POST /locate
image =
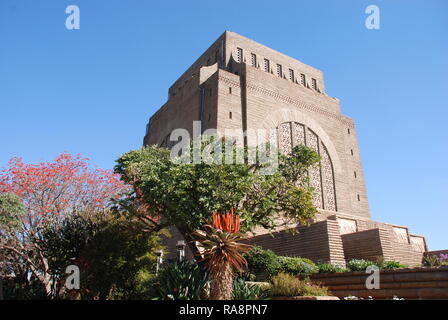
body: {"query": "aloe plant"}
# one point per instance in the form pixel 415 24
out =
pixel 222 252
pixel 183 280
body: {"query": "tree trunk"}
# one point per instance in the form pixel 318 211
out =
pixel 221 286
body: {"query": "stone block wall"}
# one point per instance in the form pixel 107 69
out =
pixel 416 283
pixel 319 242
pixel 362 245
pixel 374 243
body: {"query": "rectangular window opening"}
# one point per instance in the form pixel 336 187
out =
pixel 253 60
pixel 303 79
pixel 291 75
pixel 279 70
pixel 239 55
pixel 267 66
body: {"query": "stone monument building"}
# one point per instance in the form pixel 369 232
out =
pixel 240 84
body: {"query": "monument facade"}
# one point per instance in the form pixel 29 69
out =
pixel 238 84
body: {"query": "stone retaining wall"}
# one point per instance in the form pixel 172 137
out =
pixel 319 242
pixel 415 283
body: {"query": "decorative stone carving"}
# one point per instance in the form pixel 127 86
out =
pixel 291 134
pixel 347 226
pixel 298 134
pixel 284 138
pixel 328 179
pixel 400 234
pixel 315 174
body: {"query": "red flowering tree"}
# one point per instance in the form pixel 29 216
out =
pixel 50 190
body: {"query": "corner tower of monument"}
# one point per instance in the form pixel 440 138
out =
pixel 239 84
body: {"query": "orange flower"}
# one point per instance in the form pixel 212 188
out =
pixel 228 222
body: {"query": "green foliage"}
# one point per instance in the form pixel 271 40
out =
pixel 430 261
pixel 262 261
pixel 296 265
pixel 247 276
pixel 181 281
pixel 114 256
pixel 359 264
pixel 11 209
pixel 64 239
pixel 435 260
pixel 268 263
pixel 119 257
pixel 391 265
pixel 330 268
pixel 288 285
pixel 185 194
pixel 244 291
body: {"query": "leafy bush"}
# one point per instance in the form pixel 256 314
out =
pixel 266 262
pixel 285 284
pixel 435 261
pixel 392 265
pixel 430 261
pixel 296 266
pixel 330 268
pixel 262 261
pixel 311 289
pixel 114 256
pixel 244 291
pixel 359 264
pixel 181 281
pixel 247 276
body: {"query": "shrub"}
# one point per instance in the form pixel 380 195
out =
pixel 296 266
pixel 392 265
pixel 262 261
pixel 181 281
pixel 266 262
pixel 311 289
pixel 430 261
pixel 330 268
pixel 285 284
pixel 244 291
pixel 435 261
pixel 359 264
pixel 247 276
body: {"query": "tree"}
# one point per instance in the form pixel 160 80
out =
pixel 115 258
pixel 50 191
pixel 184 195
pixel 11 210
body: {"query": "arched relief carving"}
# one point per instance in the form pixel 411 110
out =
pixel 290 134
pixel 287 115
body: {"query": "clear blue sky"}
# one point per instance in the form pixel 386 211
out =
pixel 92 90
